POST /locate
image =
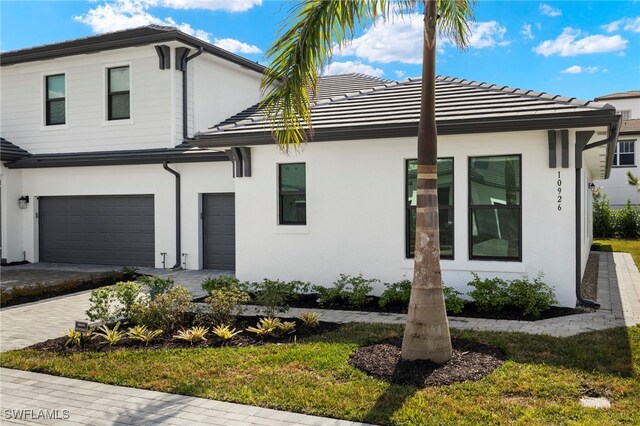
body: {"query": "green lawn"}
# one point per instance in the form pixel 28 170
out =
pixel 627 246
pixel 540 383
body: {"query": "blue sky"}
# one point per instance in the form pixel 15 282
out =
pixel 581 49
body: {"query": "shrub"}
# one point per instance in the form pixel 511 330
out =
pixel 110 335
pixel 490 294
pixel 194 334
pixel 266 327
pixel 453 301
pixel 219 282
pixel 353 290
pixel 627 221
pixel 310 319
pixel 287 327
pixel 532 298
pixel 396 294
pixel 275 296
pixel 223 302
pixel 166 312
pixel 111 303
pixel 604 222
pixel 143 334
pixel 156 285
pixel 225 333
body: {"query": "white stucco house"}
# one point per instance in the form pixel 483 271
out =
pixel 145 147
pixel 626 157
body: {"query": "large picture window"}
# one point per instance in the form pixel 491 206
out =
pixel 292 194
pixel 445 206
pixel 624 154
pixel 495 214
pixel 118 102
pixel 55 100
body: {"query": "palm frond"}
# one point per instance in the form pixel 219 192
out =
pixel 454 20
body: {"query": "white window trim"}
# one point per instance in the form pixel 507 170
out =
pixel 105 95
pixel 43 102
pixel 616 155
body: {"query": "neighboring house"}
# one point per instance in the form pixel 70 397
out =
pixel 102 121
pixel 627 154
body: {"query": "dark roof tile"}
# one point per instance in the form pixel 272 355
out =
pixel 11 152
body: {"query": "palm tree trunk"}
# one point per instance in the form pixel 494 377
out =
pixel 426 334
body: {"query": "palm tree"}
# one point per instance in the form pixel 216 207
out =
pixel 633 180
pixel 302 50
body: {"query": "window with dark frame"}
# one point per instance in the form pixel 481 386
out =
pixel 625 152
pixel 292 194
pixel 495 208
pixel 445 207
pixel 118 93
pixel 55 113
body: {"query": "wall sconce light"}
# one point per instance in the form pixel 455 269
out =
pixel 592 186
pixel 23 201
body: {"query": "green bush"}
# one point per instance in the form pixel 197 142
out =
pixel 397 293
pixel 114 302
pixel 352 290
pixel 167 311
pixel 604 220
pixel 274 295
pixel 627 221
pixel 532 298
pixel 156 285
pixel 490 294
pixel 221 281
pixel 223 302
pixel 453 301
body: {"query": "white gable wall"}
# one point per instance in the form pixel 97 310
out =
pixel 356 213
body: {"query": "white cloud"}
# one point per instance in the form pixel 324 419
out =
pixel 352 67
pixel 577 69
pixel 569 44
pixel 226 5
pixel 399 73
pixel 545 9
pixel 628 24
pixel 527 32
pixel 236 46
pixel 400 40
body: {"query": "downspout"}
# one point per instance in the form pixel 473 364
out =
pixel 178 236
pixel 582 139
pixel 185 134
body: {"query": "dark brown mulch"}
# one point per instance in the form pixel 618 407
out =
pixel 590 278
pixel 166 340
pixel 471 361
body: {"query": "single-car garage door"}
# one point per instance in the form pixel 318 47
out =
pixel 219 231
pixel 103 230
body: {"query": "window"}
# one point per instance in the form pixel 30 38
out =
pixel 293 198
pixel 624 154
pixel 626 114
pixel 118 103
pixel 55 100
pixel 445 206
pixel 495 215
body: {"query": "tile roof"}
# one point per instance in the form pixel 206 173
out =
pixel 11 152
pixel 620 95
pixel 630 126
pixel 392 105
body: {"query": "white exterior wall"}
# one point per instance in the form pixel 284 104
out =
pixel 356 213
pixel 86 128
pixel 11 216
pixel 197 178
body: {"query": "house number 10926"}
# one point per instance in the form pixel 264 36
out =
pixel 559 182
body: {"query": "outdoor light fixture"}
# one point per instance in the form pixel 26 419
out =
pixel 23 201
pixel 592 186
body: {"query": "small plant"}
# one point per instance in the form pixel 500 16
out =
pixel 627 221
pixel 110 335
pixel 76 337
pixel 219 282
pixel 225 333
pixel 453 301
pixel 166 311
pixel 156 285
pixel 275 296
pixel 223 304
pixel 287 327
pixel 265 327
pixel 490 294
pixel 397 293
pixel 193 334
pixel 111 303
pixel 310 319
pixel 143 334
pixel 353 290
pixel 532 298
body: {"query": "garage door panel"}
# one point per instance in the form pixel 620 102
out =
pixel 110 230
pixel 219 228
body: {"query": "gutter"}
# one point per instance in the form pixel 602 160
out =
pixel 178 236
pixel 183 66
pixel 582 144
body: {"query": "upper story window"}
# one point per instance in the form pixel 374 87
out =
pixel 625 154
pixel 445 206
pixel 495 214
pixel 55 100
pixel 118 92
pixel 626 114
pixel 292 194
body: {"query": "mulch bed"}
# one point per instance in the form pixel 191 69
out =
pixel 590 278
pixel 166 340
pixel 471 361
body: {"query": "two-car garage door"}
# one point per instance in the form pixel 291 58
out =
pixel 104 230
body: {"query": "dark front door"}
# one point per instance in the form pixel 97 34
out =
pixel 219 231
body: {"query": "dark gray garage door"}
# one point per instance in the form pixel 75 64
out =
pixel 219 230
pixel 104 230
